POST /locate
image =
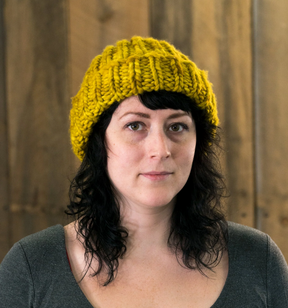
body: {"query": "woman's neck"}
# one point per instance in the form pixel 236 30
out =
pixel 148 228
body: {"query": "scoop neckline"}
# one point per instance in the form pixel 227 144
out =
pixel 217 304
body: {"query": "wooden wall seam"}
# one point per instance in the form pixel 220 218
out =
pixel 254 26
pixel 5 231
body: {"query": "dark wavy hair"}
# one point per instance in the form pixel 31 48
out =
pixel 198 227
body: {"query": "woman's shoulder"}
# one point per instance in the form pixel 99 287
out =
pixel 253 248
pixel 36 272
pixel 46 243
pixel 53 235
pixel 34 262
pixel 43 248
pixel 243 234
pixel 256 265
pixel 250 242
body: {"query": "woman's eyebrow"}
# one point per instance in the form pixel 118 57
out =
pixel 140 114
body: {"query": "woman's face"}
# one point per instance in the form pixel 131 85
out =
pixel 150 153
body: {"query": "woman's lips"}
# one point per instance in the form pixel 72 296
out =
pixel 156 176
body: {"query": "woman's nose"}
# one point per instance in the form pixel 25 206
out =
pixel 158 145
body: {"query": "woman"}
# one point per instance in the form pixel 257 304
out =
pixel 148 230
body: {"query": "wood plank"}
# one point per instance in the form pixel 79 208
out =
pixel 38 108
pixel 4 170
pixel 271 91
pixel 171 21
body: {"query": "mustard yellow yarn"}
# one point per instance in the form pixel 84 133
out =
pixel 130 68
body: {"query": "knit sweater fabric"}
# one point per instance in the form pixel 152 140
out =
pixel 36 273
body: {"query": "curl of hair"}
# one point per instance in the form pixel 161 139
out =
pixel 198 233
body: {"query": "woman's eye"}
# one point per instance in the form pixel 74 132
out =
pixel 178 127
pixel 135 126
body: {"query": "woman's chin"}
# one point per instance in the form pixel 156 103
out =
pixel 158 202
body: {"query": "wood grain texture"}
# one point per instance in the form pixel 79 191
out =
pixel 221 44
pixel 4 170
pixel 271 92
pixel 38 109
pixel 171 21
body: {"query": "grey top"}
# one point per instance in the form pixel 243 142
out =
pixel 36 273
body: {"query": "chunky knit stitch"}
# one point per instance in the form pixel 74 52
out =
pixel 131 68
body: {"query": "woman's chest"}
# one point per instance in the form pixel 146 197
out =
pixel 150 289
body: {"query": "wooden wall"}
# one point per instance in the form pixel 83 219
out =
pixel 45 48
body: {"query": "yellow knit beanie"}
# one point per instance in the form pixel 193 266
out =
pixel 130 68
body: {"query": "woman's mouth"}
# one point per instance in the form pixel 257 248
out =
pixel 156 176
